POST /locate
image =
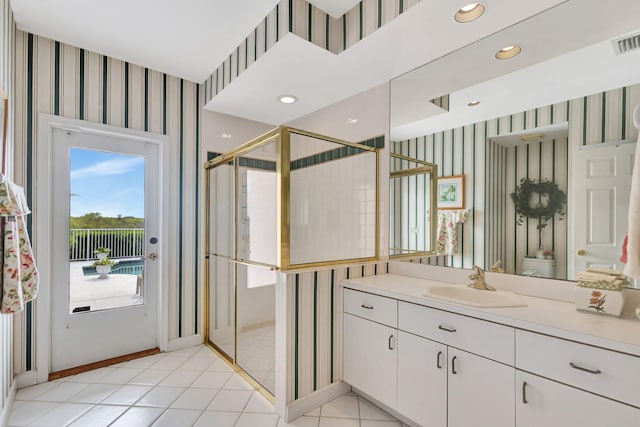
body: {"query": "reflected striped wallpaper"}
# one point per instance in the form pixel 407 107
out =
pixel 469 150
pixel 301 18
pixel 7 28
pixel 54 78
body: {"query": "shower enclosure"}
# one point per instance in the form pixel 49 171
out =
pixel 289 199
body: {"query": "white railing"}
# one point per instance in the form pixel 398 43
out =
pixel 123 242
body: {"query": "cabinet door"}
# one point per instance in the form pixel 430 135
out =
pixel 422 380
pixel 480 391
pixel 370 358
pixel 549 403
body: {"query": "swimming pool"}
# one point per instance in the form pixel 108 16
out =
pixel 126 266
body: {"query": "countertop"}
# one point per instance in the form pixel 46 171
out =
pixel 550 317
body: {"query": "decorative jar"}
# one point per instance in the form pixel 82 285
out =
pixel 599 298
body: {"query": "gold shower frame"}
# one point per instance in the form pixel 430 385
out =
pixel 282 137
pixel 432 169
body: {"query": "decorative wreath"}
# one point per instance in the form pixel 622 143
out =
pixel 525 208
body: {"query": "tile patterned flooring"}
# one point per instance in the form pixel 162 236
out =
pixel 187 387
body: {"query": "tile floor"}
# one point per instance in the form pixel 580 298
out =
pixel 188 387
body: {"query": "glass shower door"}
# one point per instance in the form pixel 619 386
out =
pixel 221 182
pixel 256 245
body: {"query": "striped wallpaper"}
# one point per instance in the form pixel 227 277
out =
pixel 314 326
pixel 307 21
pixel 7 28
pixel 55 78
pixel 468 150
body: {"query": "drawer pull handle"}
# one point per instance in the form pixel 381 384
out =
pixel 447 329
pixel 524 392
pixel 580 368
pixel 367 306
pixel 453 365
pixel 390 342
pixel 438 360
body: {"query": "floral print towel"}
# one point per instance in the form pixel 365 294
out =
pixel 19 276
pixel 447 241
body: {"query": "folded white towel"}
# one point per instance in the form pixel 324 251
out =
pixel 632 269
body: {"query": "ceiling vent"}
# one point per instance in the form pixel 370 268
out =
pixel 626 44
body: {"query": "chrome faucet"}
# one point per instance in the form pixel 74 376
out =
pixel 478 280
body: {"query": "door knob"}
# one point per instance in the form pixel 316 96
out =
pixel 152 256
pixel 581 252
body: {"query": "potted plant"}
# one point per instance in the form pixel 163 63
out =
pixel 103 267
pixel 102 252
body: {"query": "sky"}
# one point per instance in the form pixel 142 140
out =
pixel 109 183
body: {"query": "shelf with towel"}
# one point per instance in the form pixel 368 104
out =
pixel 447 230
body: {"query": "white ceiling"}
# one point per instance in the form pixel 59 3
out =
pixel 558 63
pixel 186 38
pixel 320 78
pixel 190 38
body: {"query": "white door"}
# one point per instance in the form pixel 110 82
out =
pixel 422 380
pixel 370 358
pixel 105 195
pixel 541 402
pixel 480 391
pixel 602 183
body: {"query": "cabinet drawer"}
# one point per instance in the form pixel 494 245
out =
pixel 476 336
pixel 373 307
pixel 600 371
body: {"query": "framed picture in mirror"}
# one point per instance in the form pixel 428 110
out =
pixel 451 192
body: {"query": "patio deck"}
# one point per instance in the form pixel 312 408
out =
pixel 117 290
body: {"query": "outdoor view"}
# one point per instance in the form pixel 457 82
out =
pixel 106 230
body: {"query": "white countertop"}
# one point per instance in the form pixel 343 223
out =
pixel 544 316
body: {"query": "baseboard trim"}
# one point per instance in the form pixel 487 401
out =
pixel 102 363
pixel 384 407
pixel 6 410
pixel 26 379
pixel 184 342
pixel 318 398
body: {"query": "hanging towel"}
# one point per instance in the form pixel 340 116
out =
pixel 632 269
pixel 624 256
pixel 447 241
pixel 19 275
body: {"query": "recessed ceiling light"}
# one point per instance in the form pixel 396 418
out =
pixel 226 135
pixel 469 13
pixel 287 99
pixel 508 52
pixel 352 120
pixel 473 103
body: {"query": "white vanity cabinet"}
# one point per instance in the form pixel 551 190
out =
pixel 592 386
pixel 444 365
pixel 430 365
pixel 370 345
pixel 441 385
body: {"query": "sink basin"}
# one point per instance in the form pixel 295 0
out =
pixel 474 297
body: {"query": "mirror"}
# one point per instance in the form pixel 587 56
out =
pixel 411 189
pixel 558 114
